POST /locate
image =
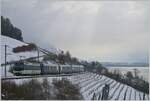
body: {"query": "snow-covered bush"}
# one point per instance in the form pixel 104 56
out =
pixel 65 90
pixel 31 90
pixel 36 90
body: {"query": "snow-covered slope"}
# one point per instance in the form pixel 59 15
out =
pixel 12 43
pixel 92 84
pixel 11 56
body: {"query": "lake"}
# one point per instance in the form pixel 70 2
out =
pixel 142 71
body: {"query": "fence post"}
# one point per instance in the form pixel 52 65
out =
pixel 143 96
pixel 105 92
pixel 99 97
pixel 94 96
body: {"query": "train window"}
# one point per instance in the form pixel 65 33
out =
pixel 50 67
pixel 18 68
pixel 53 68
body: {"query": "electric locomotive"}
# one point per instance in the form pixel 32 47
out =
pixel 24 68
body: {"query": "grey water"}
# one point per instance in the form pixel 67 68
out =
pixel 143 72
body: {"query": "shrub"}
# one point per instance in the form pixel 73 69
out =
pixel 31 90
pixel 24 48
pixel 35 90
pixel 66 91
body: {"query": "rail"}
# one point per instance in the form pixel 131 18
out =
pixel 37 76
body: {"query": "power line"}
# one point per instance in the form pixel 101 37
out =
pixel 6 54
pixel 5 57
pixel 8 46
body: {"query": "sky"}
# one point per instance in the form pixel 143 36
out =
pixel 106 31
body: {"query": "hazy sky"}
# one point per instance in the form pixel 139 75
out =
pixel 116 31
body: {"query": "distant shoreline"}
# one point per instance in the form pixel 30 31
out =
pixel 107 64
pixel 143 71
pixel 128 67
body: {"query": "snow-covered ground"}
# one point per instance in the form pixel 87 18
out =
pixel 11 56
pixel 12 43
pixel 95 83
pixel 90 84
pixel 40 79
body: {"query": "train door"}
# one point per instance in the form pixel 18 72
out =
pixel 71 69
pixel 42 68
pixel 59 69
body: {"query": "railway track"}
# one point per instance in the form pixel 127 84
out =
pixel 38 76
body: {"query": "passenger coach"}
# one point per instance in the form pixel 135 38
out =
pixel 25 68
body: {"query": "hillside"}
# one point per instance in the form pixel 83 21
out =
pixel 13 43
pixel 8 29
pixel 91 87
pixel 11 56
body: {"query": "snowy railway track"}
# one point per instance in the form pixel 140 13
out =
pixel 38 76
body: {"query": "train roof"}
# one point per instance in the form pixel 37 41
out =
pixel 77 66
pixel 19 63
pixel 31 67
pixel 72 65
pixel 33 64
pixel 49 64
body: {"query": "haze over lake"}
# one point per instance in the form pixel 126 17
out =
pixel 142 71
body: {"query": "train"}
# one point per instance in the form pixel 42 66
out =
pixel 21 68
